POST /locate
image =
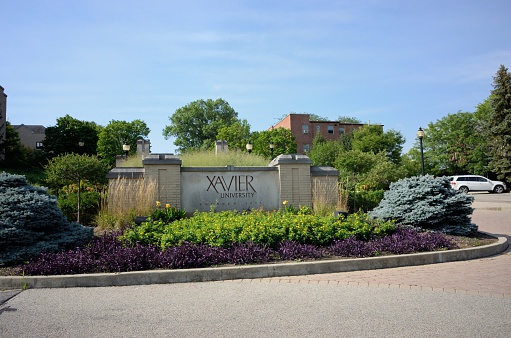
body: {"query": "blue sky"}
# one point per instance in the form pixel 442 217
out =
pixel 402 64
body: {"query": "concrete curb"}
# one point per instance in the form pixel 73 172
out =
pixel 251 271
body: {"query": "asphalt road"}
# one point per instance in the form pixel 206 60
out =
pixel 504 198
pixel 257 308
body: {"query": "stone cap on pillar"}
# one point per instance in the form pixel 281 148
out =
pixel 290 159
pixel 324 171
pixel 125 172
pixel 161 159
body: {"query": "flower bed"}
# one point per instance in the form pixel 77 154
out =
pixel 109 254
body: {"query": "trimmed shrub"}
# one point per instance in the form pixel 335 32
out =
pixel 428 203
pixel 31 222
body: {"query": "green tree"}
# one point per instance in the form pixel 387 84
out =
pixel 429 203
pixel 347 119
pixel 314 117
pixel 325 153
pixel 116 134
pixel 367 169
pixel 372 138
pixel 236 134
pixel 499 125
pixel 16 154
pixel 454 145
pixel 31 222
pixel 282 139
pixel 72 169
pixel 411 163
pixel 365 176
pixel 66 135
pixel 196 125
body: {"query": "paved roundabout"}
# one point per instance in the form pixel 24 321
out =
pixel 468 298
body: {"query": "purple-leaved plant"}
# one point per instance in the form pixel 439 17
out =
pixel 107 254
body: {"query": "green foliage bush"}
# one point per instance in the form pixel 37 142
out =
pixel 428 203
pixel 365 200
pixel 260 227
pixel 166 215
pixel 31 222
pixel 89 206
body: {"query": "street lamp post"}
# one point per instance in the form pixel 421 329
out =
pixel 80 144
pixel 420 135
pixel 126 148
pixel 249 147
pixel 271 149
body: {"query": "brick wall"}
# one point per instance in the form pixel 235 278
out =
pixel 295 123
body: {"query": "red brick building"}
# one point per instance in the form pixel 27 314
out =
pixel 305 130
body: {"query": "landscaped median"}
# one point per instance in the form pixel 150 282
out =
pixel 251 271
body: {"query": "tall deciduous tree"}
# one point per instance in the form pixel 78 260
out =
pixel 236 134
pixel 116 134
pixel 16 153
pixel 325 153
pixel 499 123
pixel 66 135
pixel 372 138
pixel 282 139
pixel 347 119
pixel 315 117
pixel 453 145
pixel 196 125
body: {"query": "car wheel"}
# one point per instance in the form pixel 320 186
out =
pixel 499 189
pixel 463 189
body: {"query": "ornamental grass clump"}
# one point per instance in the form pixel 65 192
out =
pixel 429 203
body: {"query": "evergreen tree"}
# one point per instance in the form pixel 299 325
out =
pixel 429 203
pixel 499 126
pixel 32 223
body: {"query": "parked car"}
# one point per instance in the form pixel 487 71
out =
pixel 468 183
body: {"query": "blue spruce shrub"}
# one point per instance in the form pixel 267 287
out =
pixel 32 223
pixel 428 203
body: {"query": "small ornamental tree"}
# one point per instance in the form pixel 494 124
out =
pixel 428 203
pixel 32 223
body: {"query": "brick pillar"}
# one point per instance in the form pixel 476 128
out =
pixel 165 170
pixel 294 179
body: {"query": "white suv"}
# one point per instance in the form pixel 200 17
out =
pixel 468 183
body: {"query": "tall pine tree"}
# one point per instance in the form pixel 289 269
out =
pixel 499 126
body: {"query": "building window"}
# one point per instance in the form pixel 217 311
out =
pixel 318 129
pixel 330 129
pixel 306 148
pixel 39 145
pixel 305 129
pixel 341 130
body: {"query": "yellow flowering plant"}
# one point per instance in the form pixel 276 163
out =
pixel 166 215
pixel 257 226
